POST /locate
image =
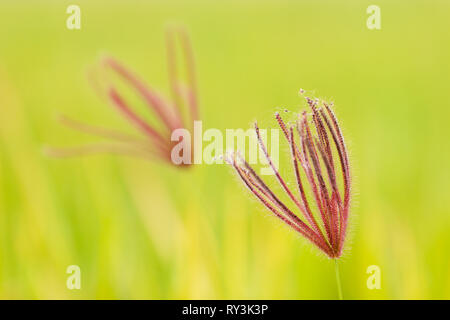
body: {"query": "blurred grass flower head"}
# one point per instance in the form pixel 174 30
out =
pixel 324 178
pixel 155 141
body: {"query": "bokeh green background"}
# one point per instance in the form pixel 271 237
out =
pixel 139 229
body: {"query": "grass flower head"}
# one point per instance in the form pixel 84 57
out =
pixel 321 167
pixel 154 142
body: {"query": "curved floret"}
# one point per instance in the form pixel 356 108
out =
pixel 321 167
pixel 153 142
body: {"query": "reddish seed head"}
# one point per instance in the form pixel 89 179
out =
pixel 154 143
pixel 319 160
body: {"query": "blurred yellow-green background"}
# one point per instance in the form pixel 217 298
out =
pixel 139 229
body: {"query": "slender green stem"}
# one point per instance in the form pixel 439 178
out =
pixel 338 280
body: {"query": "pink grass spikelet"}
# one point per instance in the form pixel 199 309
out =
pixel 154 142
pixel 321 168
